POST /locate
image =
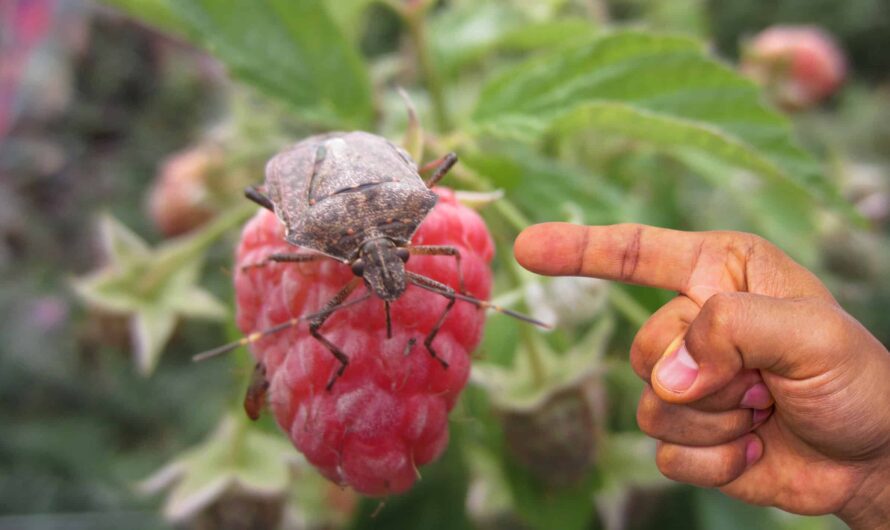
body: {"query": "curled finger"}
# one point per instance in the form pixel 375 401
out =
pixel 709 467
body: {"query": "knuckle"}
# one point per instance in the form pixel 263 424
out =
pixel 706 467
pixel 670 463
pixel 727 469
pixel 718 314
pixel 834 324
pixel 746 245
pixel 728 397
pixel 753 242
pixel 630 257
pixel 834 320
pixel 649 414
pixel 736 425
pixel 639 361
pixel 683 425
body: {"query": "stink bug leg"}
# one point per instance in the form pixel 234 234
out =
pixel 253 193
pixel 441 250
pixel 318 322
pixel 442 167
pixel 284 258
pixel 447 292
pixel 255 398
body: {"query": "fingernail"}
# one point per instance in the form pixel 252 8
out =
pixel 753 451
pixel 761 415
pixel 678 370
pixel 757 397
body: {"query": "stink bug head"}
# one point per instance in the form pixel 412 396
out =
pixel 382 265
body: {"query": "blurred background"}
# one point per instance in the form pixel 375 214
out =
pixel 128 129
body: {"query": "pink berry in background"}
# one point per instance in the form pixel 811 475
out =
pixel 801 66
pixel 388 413
pixel 179 199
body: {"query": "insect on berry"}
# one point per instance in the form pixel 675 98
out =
pixel 358 199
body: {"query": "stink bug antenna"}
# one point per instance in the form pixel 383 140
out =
pixel 439 288
pixel 509 312
pixel 257 335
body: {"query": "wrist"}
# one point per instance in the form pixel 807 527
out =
pixel 869 509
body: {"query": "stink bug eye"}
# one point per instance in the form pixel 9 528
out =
pixel 403 254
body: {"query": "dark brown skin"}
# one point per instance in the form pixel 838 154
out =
pixel 758 382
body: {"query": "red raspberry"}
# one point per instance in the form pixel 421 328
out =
pixel 388 413
pixel 800 65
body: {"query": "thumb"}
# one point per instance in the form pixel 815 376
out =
pixel 793 338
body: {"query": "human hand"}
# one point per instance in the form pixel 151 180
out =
pixel 757 381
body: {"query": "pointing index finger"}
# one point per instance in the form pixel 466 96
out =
pixel 629 253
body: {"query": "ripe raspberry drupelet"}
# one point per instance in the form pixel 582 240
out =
pixel 388 413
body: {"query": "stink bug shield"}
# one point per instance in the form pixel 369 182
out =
pixel 338 191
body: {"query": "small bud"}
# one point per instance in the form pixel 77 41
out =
pixel 179 200
pixel 800 66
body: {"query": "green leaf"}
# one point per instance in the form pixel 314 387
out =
pixel 348 15
pixel 555 82
pixel 107 289
pixel 568 509
pixel 547 189
pixel 660 89
pixel 291 50
pixel 517 388
pixel 158 13
pixel 545 34
pixel 120 243
pixel 156 285
pixel 151 329
pixel 628 459
pixel 469 32
pixel 715 510
pixel 259 468
pixel 776 209
pixel 236 457
pixel 195 302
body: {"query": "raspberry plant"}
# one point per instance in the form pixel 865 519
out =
pixel 566 120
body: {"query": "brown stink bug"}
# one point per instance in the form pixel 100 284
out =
pixel 356 198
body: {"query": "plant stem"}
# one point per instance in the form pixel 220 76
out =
pixel 625 304
pixel 176 253
pixel 511 214
pixel 239 428
pixel 529 339
pixel 416 21
pixel 535 361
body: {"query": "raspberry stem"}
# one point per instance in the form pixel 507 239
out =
pixel 530 339
pixel 629 308
pixel 415 19
pixel 176 257
pixel 536 364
